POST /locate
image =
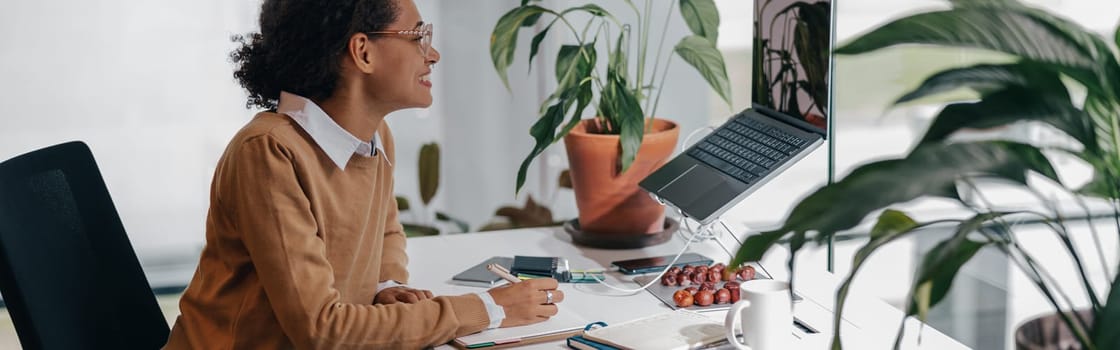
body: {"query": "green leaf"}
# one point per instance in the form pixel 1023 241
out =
pixel 892 222
pixel 702 18
pixel 429 172
pixel 573 63
pixel 1103 113
pixel 402 203
pixel 1103 185
pixel 1012 32
pixel 631 121
pixel 891 226
pixel 987 78
pixel 756 246
pixel 534 47
pixel 1107 321
pixel 592 9
pixel 1009 106
pixel 930 170
pixel 617 59
pixel 543 131
pixel 462 225
pixel 503 40
pixel 706 58
pixel 942 263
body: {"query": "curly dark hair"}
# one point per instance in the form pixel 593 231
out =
pixel 299 46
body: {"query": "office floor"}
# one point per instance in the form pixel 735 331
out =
pixel 169 303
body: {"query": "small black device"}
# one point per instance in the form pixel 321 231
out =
pixel 657 263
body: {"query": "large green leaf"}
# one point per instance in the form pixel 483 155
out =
pixel 503 40
pixel 702 18
pixel 629 117
pixel 1107 321
pixel 1008 31
pixel 706 58
pixel 1012 105
pixel 535 45
pixel 1104 113
pixel 543 132
pixel 986 79
pixel 573 63
pixel 429 171
pixel 892 225
pixel 930 170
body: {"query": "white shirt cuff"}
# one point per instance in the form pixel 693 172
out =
pixel 495 311
pixel 386 285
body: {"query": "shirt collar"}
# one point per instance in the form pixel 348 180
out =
pixel 335 141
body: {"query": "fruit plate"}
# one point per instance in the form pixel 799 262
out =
pixel 665 293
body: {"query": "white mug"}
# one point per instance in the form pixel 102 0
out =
pixel 767 316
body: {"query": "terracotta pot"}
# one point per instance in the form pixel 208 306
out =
pixel 1049 332
pixel 611 202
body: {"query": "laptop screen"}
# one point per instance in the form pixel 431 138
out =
pixel 792 58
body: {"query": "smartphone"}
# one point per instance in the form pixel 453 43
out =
pixel 657 263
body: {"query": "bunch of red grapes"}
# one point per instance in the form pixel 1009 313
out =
pixel 700 284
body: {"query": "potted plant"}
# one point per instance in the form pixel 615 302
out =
pixel 624 141
pixel 1061 75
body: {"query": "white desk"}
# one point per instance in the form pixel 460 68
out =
pixel 869 323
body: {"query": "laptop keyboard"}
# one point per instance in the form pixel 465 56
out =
pixel 747 149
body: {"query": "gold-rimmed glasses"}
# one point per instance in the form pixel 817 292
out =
pixel 423 33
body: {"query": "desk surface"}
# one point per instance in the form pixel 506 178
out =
pixel 869 323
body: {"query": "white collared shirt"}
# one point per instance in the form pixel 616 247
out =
pixel 339 145
pixel 335 141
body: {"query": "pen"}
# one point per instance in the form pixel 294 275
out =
pixel 502 272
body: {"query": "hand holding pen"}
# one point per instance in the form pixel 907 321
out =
pixel 525 302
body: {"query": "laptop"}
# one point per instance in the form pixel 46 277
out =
pixel 788 118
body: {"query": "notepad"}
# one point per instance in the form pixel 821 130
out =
pixel 680 329
pixel 563 325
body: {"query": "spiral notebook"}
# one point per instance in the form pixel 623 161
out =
pixel 563 325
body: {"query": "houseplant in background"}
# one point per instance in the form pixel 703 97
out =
pixel 1060 76
pixel 624 142
pixel 422 221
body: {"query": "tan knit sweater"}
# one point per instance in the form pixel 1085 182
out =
pixel 295 248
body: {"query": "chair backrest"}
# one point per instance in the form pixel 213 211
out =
pixel 68 274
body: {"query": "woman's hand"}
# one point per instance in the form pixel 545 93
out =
pixel 401 294
pixel 527 302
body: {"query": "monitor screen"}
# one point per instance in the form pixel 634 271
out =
pixel 793 42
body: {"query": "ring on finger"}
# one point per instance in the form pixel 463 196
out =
pixel 548 297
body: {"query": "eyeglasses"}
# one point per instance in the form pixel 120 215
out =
pixel 423 32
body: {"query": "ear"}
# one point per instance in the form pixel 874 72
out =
pixel 360 50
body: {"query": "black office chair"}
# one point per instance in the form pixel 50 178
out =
pixel 68 273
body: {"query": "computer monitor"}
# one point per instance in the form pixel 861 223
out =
pixel 793 58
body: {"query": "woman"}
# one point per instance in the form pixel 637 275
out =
pixel 303 247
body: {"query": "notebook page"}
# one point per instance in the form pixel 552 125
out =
pixel 679 329
pixel 563 321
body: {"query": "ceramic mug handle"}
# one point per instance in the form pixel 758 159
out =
pixel 732 321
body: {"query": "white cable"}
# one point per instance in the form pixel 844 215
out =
pixel 693 237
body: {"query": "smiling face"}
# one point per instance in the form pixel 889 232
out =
pixel 401 70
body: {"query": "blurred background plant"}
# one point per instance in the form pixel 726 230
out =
pixel 1057 75
pixel 533 214
pixel 423 221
